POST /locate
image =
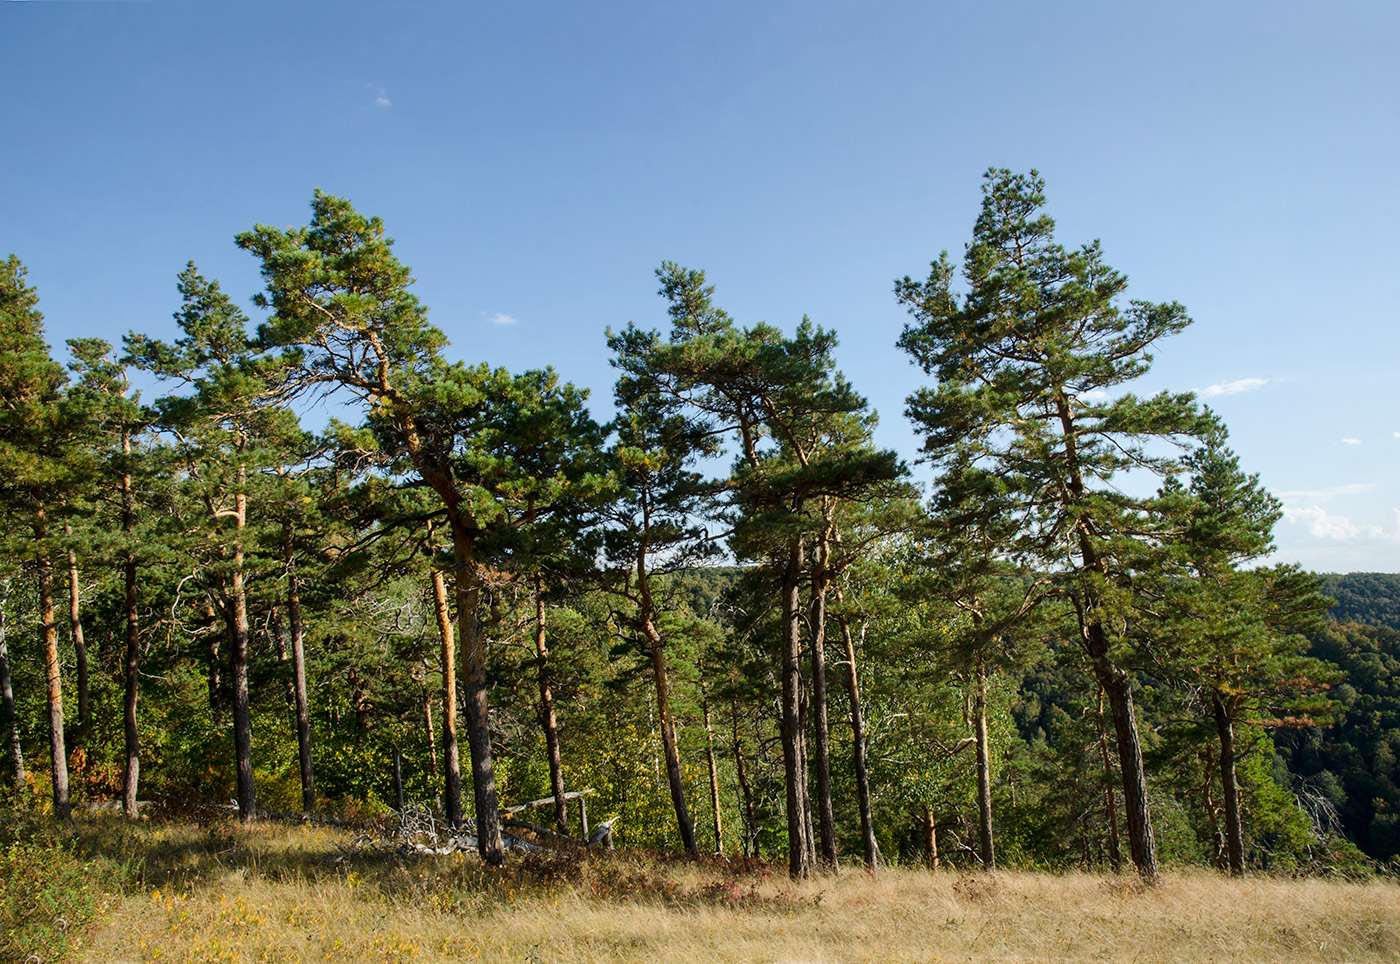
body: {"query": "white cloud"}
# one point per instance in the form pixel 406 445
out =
pixel 1397 434
pixel 381 98
pixel 1326 525
pixel 1235 387
pixel 501 318
pixel 1351 441
pixel 1099 395
pixel 1323 495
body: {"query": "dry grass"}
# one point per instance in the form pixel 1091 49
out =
pixel 231 894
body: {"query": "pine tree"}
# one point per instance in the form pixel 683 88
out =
pixel 1021 364
pixel 781 398
pixel 228 430
pixel 36 437
pixel 1232 635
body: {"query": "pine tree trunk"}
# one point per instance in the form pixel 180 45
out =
pixel 10 719
pixel 794 755
pixel 710 759
pixel 930 838
pixel 867 819
pixel 984 770
pixel 820 732
pixel 75 627
pixel 131 682
pixel 303 706
pixel 238 663
pixel 1110 805
pixel 478 711
pixel 432 733
pixel 745 791
pixel 1116 684
pixel 548 720
pixel 1234 842
pixel 452 773
pixel 1118 688
pixel 656 644
pixel 216 681
pixel 58 753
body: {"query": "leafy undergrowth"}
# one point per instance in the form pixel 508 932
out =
pixel 206 889
pixel 50 890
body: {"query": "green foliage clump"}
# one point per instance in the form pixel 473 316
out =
pixel 48 890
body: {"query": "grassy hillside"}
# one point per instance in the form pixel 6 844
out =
pixel 214 891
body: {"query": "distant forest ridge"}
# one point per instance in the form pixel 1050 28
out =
pixel 1372 598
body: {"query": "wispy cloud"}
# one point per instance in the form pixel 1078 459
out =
pixel 1323 495
pixel 381 98
pixel 1306 509
pixel 1351 441
pixel 501 318
pixel 1234 388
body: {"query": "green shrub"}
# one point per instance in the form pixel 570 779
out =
pixel 47 892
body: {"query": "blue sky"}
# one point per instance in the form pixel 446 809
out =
pixel 537 161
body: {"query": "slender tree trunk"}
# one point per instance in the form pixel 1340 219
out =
pixel 58 753
pixel 930 838
pixel 867 820
pixel 1225 727
pixel 238 661
pixel 1220 858
pixel 1116 683
pixel 820 732
pixel 10 719
pixel 548 719
pixel 75 627
pixel 984 769
pixel 809 834
pixel 452 774
pixel 473 650
pixel 745 791
pixel 794 750
pixel 1118 688
pixel 432 733
pixel 1110 805
pixel 303 706
pixel 131 689
pixel 215 679
pixel 710 759
pixel 646 614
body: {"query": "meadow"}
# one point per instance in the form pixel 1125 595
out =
pixel 213 890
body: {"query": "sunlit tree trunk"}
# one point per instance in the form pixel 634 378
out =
pixel 452 765
pixel 984 768
pixel 548 720
pixel 131 675
pixel 714 769
pixel 303 706
pixel 48 628
pixel 657 646
pixel 867 820
pixel 75 627
pixel 238 660
pixel 10 722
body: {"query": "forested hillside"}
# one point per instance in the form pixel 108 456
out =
pixel 473 595
pixel 1372 598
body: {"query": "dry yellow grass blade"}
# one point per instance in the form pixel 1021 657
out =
pixel 273 895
